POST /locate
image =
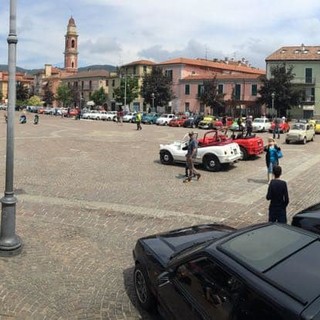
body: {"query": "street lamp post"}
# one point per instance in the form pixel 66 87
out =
pixel 272 103
pixel 152 97
pixel 10 243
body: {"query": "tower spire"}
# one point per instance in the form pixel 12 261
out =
pixel 71 47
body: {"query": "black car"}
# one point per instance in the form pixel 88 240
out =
pixel 263 272
pixel 308 219
pixel 193 122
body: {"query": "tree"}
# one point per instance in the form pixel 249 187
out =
pixel 157 85
pixel 34 101
pixel 22 94
pixel 209 95
pixel 286 95
pixel 64 95
pixel 126 96
pixel 99 97
pixel 48 96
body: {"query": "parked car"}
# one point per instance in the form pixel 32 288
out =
pixel 300 132
pixel 178 122
pixel 209 122
pixel 317 126
pixel 192 122
pixel 150 118
pixel 261 124
pixel 165 118
pixel 129 117
pixel 212 158
pixel 283 126
pixel 250 146
pixel 91 114
pixel 262 272
pixel 111 116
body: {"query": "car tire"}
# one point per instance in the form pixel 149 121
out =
pixel 211 163
pixel 166 157
pixel 244 153
pixel 142 288
pixel 287 141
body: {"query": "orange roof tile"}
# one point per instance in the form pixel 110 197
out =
pixel 223 65
pixel 140 62
pixel 301 52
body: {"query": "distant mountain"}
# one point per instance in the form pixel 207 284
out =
pixel 110 68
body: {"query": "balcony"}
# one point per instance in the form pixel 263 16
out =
pixel 304 80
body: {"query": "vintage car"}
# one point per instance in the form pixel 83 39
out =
pixel 300 132
pixel 110 116
pixel 283 126
pixel 165 118
pixel 268 271
pixel 178 122
pixel 212 158
pixel 261 124
pixel 129 117
pixel 150 118
pixel 250 146
pixel 209 122
pixel 193 121
pixel 317 126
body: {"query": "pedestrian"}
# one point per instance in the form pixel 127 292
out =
pixel 121 113
pixel 249 126
pixel 191 154
pixel 272 158
pixel 276 128
pixel 138 120
pixel 239 123
pixel 278 196
pixel 224 121
pixel 36 119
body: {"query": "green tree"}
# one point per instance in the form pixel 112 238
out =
pixel 130 93
pixel 48 96
pixel 34 101
pixel 208 95
pixel 158 85
pixel 286 95
pixel 22 94
pixel 64 95
pixel 99 97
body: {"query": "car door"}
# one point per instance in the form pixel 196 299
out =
pixel 200 288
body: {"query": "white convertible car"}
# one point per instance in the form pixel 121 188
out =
pixel 211 157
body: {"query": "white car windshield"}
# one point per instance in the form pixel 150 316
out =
pixel 298 126
pixel 259 120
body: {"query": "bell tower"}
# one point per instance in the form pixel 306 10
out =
pixel 71 47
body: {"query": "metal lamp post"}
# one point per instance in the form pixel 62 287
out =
pixel 272 101
pixel 10 243
pixel 152 97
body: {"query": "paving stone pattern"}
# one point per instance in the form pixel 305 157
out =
pixel 87 190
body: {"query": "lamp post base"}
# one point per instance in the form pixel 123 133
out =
pixel 11 247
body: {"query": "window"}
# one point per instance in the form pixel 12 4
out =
pixel 308 75
pixel 169 74
pixel 237 92
pixel 200 89
pixel 82 85
pixel 220 88
pixel 113 83
pixel 90 84
pixel 215 290
pixel 144 69
pixel 187 106
pixel 73 44
pixel 134 70
pixel 187 89
pixel 107 83
pixel 254 90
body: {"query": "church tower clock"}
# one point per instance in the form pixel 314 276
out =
pixel 71 48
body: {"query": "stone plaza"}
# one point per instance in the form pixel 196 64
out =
pixel 87 190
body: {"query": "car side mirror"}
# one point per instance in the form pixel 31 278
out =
pixel 163 279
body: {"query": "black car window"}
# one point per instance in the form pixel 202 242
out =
pixel 215 291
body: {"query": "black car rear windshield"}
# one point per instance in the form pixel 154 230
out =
pixel 264 247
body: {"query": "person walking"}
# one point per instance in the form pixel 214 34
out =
pixel 278 196
pixel 276 129
pixel 138 120
pixel 191 154
pixel 249 126
pixel 272 158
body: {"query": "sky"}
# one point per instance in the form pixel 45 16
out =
pixel 117 32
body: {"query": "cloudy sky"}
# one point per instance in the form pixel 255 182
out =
pixel 117 32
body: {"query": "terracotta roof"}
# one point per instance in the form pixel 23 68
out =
pixel 219 76
pixel 301 52
pixel 140 62
pixel 89 74
pixel 223 65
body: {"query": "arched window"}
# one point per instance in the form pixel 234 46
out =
pixel 73 43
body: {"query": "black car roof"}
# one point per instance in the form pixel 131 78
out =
pixel 282 255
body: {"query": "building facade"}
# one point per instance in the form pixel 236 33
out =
pixel 305 61
pixel 238 81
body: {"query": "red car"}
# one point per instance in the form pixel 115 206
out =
pixel 178 122
pixel 249 146
pixel 283 125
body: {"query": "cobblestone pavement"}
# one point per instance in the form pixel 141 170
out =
pixel 87 190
